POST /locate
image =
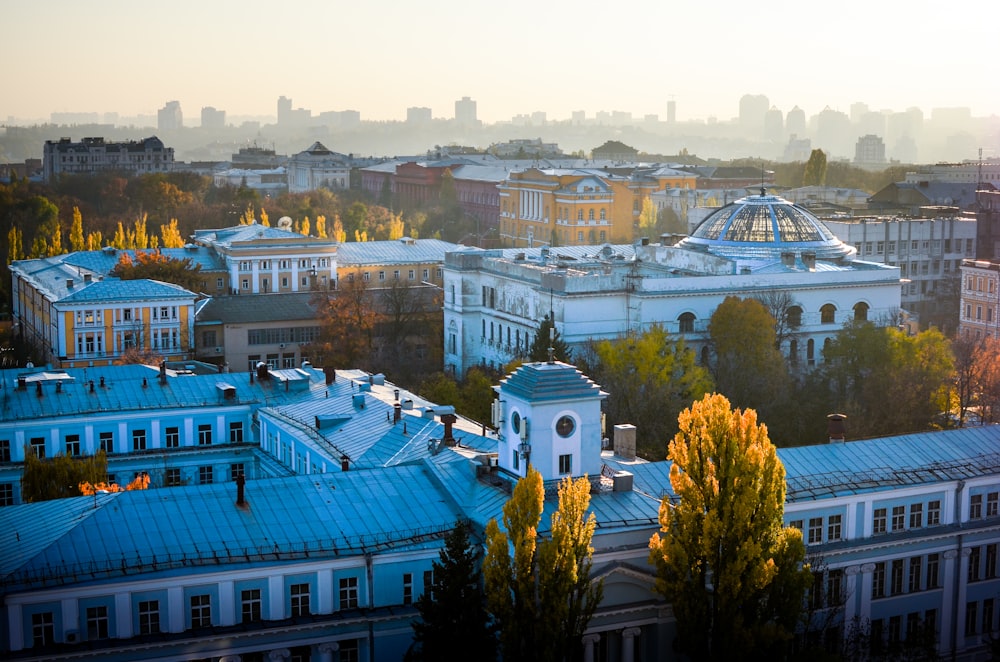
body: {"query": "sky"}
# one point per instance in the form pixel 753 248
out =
pixel 381 57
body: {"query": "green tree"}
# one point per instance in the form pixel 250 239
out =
pixel 453 617
pixel 59 476
pixel 542 597
pixel 868 366
pixel 548 336
pixel 749 369
pixel 815 171
pixel 733 572
pixel 650 379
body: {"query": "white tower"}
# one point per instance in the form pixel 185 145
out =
pixel 549 414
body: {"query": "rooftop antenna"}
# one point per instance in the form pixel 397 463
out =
pixel 762 190
pixel 552 341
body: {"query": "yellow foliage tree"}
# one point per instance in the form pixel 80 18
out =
pixel 119 240
pixel 264 219
pixel 246 218
pixel 171 235
pixel 396 227
pixel 76 240
pixel 339 235
pixel 15 248
pixel 140 482
pixel 141 238
pixel 95 240
pixel 306 227
pixel 321 226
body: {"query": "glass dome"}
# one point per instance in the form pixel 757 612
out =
pixel 763 227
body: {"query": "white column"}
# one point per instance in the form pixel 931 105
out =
pixel 295 274
pixel 324 590
pixel 15 627
pixel 851 593
pixel 154 440
pixel 175 609
pixel 948 600
pixel 70 616
pixel 123 616
pixel 326 650
pixel 961 585
pixel 276 600
pixel 589 641
pixel 227 603
pixel 628 643
pixel 866 590
pixel 255 276
pixel 234 279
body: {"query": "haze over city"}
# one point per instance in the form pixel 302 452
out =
pixel 513 58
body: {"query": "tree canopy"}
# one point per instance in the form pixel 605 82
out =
pixel 154 265
pixel 542 597
pixel 732 571
pixel 548 336
pixel 61 476
pixel 815 171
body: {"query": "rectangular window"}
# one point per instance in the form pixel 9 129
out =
pixel 38 447
pixel 988 615
pixel 6 494
pixel 407 588
pixel 976 506
pixel 201 611
pixel 236 432
pixel 349 593
pixel 930 623
pixel 236 470
pixel 834 587
pixel 429 583
pixel 204 475
pixel 300 599
pixel 971 614
pixel 933 513
pixel 73 445
pixel 107 442
pixel 916 515
pixel 895 627
pixel 97 623
pixel 992 503
pixel 43 629
pixel 933 564
pixel 173 438
pixel 149 617
pixel 204 435
pixel 878 522
pixel 4 450
pixel 898 513
pixel 912 624
pixel 833 528
pixel 897 577
pixel 138 440
pixel 975 557
pixel 991 561
pixel 172 477
pixel 250 605
pixel 914 583
pixel 566 464
pixel 878 580
pixel 815 530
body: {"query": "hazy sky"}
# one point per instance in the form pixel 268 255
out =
pixel 381 56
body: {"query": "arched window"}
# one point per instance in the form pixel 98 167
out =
pixel 827 314
pixel 704 355
pixel 793 351
pixel 604 215
pixel 861 312
pixel 579 214
pixel 794 316
pixel 686 321
pixel 826 348
pixel 590 214
pixel 811 352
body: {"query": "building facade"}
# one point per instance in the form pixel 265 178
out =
pixel 980 300
pixel 93 155
pixel 318 167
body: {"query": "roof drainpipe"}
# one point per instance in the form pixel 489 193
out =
pixel 240 482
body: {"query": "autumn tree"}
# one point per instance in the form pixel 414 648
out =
pixel 410 329
pixel 60 476
pixel 815 171
pixel 647 218
pixel 154 265
pixel 749 369
pixel 780 304
pixel 733 573
pixel 347 320
pixel 171 235
pixel 542 596
pixel 76 240
pixel 452 610
pixel 548 336
pixel 650 379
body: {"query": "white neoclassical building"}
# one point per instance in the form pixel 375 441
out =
pixel 495 300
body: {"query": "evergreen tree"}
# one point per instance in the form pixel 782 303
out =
pixel 548 336
pixel 453 619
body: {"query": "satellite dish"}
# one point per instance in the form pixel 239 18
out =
pixel 285 223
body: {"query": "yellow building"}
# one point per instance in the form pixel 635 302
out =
pixel 76 318
pixel 380 263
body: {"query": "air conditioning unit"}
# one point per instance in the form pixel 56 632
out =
pixel 281 346
pixel 72 636
pixel 218 350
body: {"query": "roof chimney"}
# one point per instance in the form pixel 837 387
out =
pixel 836 428
pixel 240 482
pixel 344 463
pixel 330 374
pixel 448 420
pixel 163 372
pixel 624 441
pixel 397 412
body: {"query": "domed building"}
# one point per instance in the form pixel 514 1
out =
pixel 760 246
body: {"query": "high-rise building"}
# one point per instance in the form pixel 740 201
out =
pixel 465 112
pixel 671 111
pixel 418 115
pixel 212 118
pixel 170 117
pixel 753 108
pixel 284 110
pixel 869 151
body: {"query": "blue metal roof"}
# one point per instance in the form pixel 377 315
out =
pixel 159 530
pixel 546 382
pixel 400 251
pixel 111 290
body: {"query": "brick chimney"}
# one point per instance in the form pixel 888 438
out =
pixel 836 428
pixel 624 441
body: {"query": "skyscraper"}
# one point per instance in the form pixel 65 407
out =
pixel 465 112
pixel 170 117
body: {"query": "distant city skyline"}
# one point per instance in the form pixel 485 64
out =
pixel 113 56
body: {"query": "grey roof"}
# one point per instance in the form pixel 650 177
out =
pixel 242 309
pixel 545 382
pixel 104 260
pixel 62 281
pixel 401 251
pixel 112 289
